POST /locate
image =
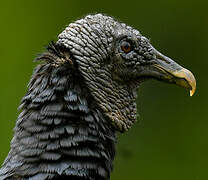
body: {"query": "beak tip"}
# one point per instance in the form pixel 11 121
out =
pixel 192 91
pixel 189 77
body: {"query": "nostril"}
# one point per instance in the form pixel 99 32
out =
pixel 161 57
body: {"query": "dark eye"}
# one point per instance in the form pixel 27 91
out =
pixel 126 46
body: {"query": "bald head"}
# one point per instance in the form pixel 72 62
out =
pixel 114 59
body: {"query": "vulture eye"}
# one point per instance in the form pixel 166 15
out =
pixel 126 46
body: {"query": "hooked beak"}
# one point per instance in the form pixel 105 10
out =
pixel 164 68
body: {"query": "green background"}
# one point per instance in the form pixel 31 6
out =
pixel 170 140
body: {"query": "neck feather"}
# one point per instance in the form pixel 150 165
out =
pixel 60 132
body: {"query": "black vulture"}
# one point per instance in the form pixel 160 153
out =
pixel 82 92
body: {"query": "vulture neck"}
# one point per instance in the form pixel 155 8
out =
pixel 60 133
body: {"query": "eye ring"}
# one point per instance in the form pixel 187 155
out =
pixel 126 46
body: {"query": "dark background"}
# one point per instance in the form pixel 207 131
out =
pixel 170 140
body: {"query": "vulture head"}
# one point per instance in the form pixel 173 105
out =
pixel 114 59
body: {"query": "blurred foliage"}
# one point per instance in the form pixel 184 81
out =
pixel 170 139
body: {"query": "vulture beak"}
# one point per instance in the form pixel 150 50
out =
pixel 166 69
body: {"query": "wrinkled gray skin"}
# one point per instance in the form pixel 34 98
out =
pixel 110 74
pixel 79 96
